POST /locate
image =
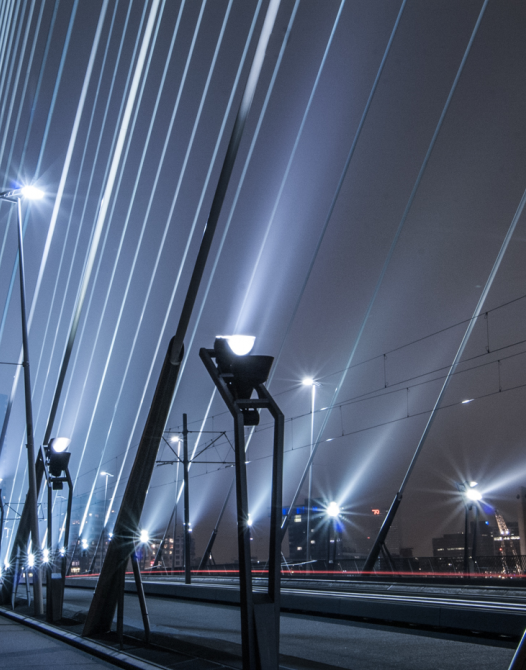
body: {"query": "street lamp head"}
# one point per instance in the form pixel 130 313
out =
pixel 144 536
pixel 242 373
pixel 333 509
pixel 473 494
pixel 175 438
pixel 240 345
pixel 59 444
pixel 58 458
pixel 106 474
pixel 32 193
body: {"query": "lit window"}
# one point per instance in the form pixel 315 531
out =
pixel 297 518
pixel 298 548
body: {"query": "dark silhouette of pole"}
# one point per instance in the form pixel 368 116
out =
pixel 187 536
pixel 32 493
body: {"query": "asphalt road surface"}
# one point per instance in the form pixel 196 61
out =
pixel 314 643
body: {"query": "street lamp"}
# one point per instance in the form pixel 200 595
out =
pixel 333 512
pixel 236 375
pixel 470 495
pixel 15 197
pixel 308 381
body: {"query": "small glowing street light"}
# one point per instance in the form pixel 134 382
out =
pixel 333 510
pixel 32 193
pixel 144 537
pixel 84 544
pixel 45 555
pixel 31 560
pixel 473 494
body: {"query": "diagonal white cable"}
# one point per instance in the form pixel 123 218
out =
pixel 198 211
pixel 58 199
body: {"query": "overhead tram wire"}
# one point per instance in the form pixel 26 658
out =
pixel 58 199
pixel 167 225
pixel 196 217
pixel 375 551
pixel 387 260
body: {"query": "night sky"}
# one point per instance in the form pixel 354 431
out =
pixel 121 112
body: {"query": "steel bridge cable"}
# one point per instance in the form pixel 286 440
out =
pixel 22 159
pixel 387 260
pixel 181 175
pixel 100 196
pixel 72 255
pixel 174 200
pixel 65 171
pixel 465 338
pixel 5 69
pixel 53 219
pixel 232 209
pixel 29 67
pixel 14 90
pixel 110 283
pixel 349 157
pixel 203 192
pixel 132 270
pixel 237 194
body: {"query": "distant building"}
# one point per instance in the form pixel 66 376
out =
pixel 490 541
pixel 325 534
pixel 172 553
pixel 450 545
pixel 508 543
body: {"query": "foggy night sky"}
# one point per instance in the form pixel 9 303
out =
pixel 275 211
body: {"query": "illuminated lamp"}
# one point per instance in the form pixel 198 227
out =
pixel 144 537
pixel 32 193
pixel 58 459
pixel 241 372
pixel 473 494
pixel 333 510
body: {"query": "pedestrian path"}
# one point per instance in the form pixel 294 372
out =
pixel 24 647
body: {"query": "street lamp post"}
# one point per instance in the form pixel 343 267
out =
pixel 470 495
pixel 308 381
pixel 104 474
pixel 15 197
pixel 236 376
pixel 333 512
